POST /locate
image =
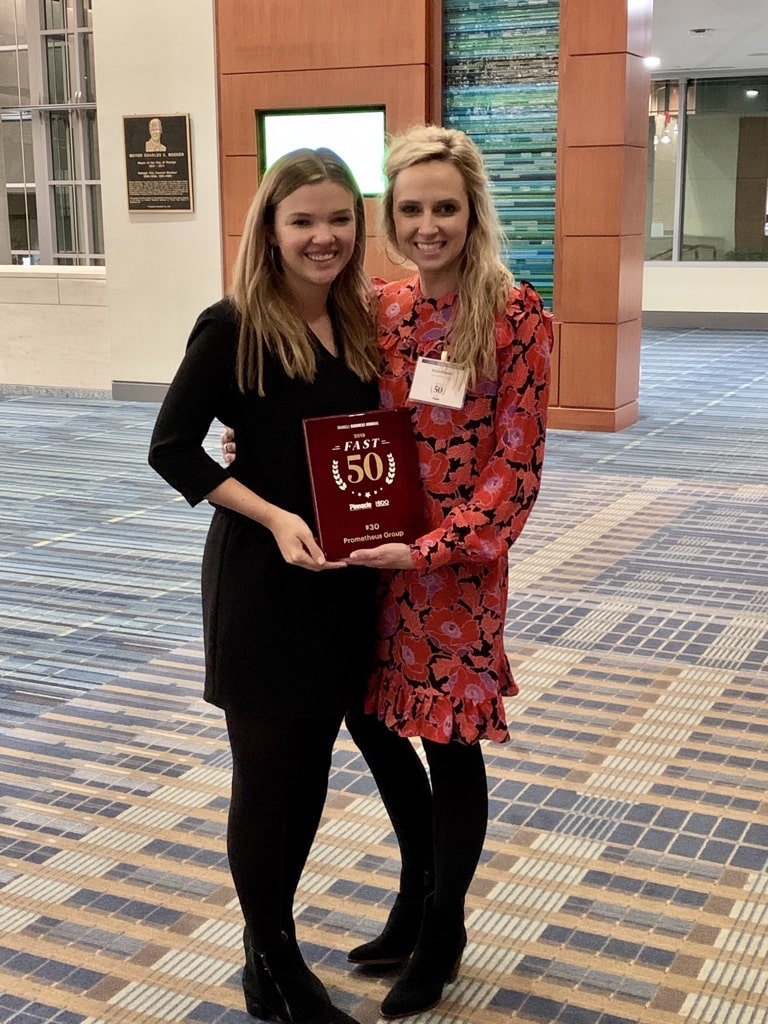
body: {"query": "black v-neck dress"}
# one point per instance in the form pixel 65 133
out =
pixel 278 638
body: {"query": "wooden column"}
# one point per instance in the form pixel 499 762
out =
pixel 600 212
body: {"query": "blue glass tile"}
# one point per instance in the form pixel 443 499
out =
pixel 536 794
pixel 686 846
pixel 642 813
pixel 670 817
pixel 535 966
pixel 655 839
pixel 716 851
pixel 541 1008
pixel 599 879
pixel 25 963
pixel 656 957
pixel 623 883
pixel 757 835
pixel 622 949
pixel 343 887
pixel 701 824
pixel 205 1013
pixel 82 979
pixel 571 1014
pixel 515 815
pixel 506 999
pixel 547 821
pixel 556 934
pixel 730 828
pixel 562 798
pixel 750 857
pixel 657 891
pixel 587 940
pixel 53 971
pixel 626 835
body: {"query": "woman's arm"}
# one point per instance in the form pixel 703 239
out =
pixel 200 390
pixel 483 526
pixel 505 491
pixel 291 533
pixel 199 393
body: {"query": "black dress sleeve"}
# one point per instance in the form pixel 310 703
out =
pixel 201 391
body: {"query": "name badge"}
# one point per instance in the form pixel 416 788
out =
pixel 438 382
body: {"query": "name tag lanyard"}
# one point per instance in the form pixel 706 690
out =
pixel 439 382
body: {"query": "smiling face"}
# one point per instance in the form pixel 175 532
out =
pixel 431 216
pixel 314 230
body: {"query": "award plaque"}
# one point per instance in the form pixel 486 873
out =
pixel 365 480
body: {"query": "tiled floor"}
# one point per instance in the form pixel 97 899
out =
pixel 625 877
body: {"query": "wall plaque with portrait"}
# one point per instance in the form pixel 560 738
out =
pixel 158 163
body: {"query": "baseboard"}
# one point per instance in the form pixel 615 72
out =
pixel 693 320
pixel 137 391
pixel 606 421
pixel 52 391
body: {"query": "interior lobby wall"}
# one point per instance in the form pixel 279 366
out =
pixel 162 268
pixel 53 322
pixel 154 59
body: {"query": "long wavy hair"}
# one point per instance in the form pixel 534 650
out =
pixel 484 281
pixel 269 321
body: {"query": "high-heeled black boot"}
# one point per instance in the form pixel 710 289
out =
pixel 435 963
pixel 398 938
pixel 278 986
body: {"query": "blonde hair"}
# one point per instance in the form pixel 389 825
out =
pixel 484 281
pixel 269 321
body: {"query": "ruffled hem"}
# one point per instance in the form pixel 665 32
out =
pixel 434 717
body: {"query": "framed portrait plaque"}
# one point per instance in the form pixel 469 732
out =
pixel 158 163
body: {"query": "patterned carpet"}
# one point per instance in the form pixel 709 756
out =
pixel 625 875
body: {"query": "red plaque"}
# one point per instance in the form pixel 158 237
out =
pixel 365 480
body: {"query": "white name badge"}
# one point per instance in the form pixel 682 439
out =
pixel 439 382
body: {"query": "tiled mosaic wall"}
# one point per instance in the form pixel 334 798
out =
pixel 501 88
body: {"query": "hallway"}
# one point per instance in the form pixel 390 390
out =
pixel 625 875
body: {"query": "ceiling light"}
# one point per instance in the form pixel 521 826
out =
pixel 751 93
pixel 652 62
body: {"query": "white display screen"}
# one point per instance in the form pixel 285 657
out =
pixel 356 135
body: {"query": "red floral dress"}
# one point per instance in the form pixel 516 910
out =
pixel 441 670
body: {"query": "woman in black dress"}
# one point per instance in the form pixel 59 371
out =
pixel 288 636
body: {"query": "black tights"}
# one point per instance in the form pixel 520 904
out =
pixel 280 772
pixel 440 820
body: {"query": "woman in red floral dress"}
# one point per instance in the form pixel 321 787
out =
pixel 441 671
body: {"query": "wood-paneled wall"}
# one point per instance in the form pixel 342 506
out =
pixel 324 53
pixel 327 53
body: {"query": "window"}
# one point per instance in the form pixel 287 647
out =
pixel 708 170
pixel 49 147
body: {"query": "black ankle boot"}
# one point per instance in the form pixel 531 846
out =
pixel 278 986
pixel 398 938
pixel 435 963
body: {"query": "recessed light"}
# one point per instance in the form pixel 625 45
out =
pixel 751 93
pixel 652 62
